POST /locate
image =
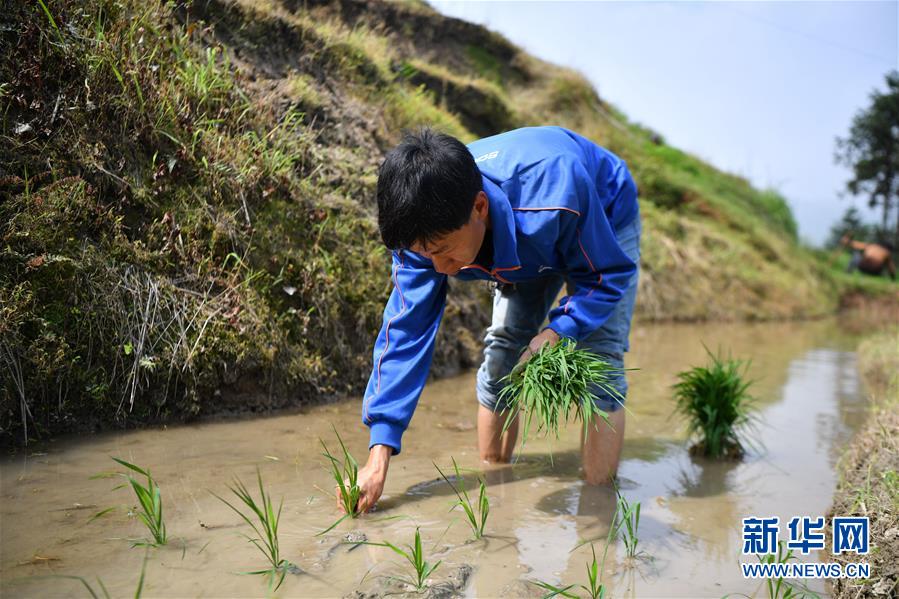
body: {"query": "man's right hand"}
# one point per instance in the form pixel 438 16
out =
pixel 372 477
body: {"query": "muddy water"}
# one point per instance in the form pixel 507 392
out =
pixel 809 399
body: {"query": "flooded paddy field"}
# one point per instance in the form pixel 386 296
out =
pixel 809 403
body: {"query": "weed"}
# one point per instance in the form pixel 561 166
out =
pixel 346 475
pixel 627 518
pixel 267 529
pixel 477 517
pixel 716 403
pixel 150 502
pixel 415 556
pixel 556 384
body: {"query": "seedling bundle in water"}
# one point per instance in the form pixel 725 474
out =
pixel 556 385
pixel 715 401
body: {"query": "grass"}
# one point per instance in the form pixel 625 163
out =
pixel 869 468
pixel 422 569
pixel 627 517
pixel 475 514
pixel 266 529
pixel 716 403
pixel 346 475
pixel 554 386
pixel 150 500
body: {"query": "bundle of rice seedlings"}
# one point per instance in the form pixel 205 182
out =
pixel 716 403
pixel 555 385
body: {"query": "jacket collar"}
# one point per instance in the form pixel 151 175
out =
pixel 502 223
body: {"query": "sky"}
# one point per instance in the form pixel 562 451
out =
pixel 761 89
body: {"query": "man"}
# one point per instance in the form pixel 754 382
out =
pixel 525 209
pixel 869 258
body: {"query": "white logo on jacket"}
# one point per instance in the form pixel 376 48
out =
pixel 487 156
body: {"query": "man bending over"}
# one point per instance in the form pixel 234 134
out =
pixel 527 209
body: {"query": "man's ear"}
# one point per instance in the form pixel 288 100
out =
pixel 481 205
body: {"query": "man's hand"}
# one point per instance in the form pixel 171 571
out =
pixel 542 338
pixel 371 478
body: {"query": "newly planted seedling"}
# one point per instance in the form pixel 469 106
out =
pixel 346 475
pixel 627 520
pixel 476 515
pixel 715 401
pixel 150 501
pixel 596 590
pixel 102 587
pixel 266 529
pixel 555 385
pixel 416 558
pixel 778 588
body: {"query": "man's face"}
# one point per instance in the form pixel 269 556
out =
pixel 453 250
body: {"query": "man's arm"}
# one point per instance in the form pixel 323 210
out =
pixel 401 360
pixel 596 263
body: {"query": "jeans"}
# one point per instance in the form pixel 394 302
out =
pixel 519 310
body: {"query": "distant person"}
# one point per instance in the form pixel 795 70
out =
pixel 869 258
pixel 526 209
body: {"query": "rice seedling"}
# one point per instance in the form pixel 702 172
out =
pixel 150 501
pixel 416 558
pixel 627 518
pixel 715 401
pixel 102 587
pixel 476 515
pixel 346 475
pixel 266 530
pixel 778 588
pixel 596 590
pixel 555 385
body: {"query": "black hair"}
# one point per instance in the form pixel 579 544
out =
pixel 426 188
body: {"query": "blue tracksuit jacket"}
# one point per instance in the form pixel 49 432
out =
pixel 555 199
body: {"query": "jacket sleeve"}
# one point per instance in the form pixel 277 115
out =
pixel 404 348
pixel 595 262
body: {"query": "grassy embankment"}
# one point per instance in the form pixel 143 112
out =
pixel 869 471
pixel 187 219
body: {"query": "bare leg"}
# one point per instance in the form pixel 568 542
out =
pixel 493 445
pixel 602 449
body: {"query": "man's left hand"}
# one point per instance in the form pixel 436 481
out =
pixel 546 336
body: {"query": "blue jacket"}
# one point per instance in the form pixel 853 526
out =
pixel 555 200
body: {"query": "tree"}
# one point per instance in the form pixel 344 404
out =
pixel 872 152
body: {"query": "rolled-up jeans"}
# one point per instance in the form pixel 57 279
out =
pixel 519 310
